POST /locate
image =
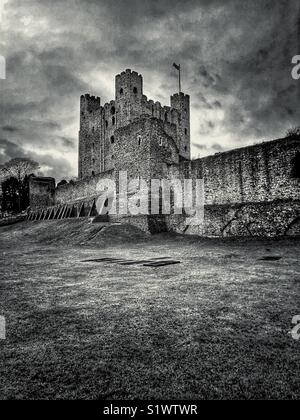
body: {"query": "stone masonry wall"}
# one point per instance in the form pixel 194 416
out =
pixel 81 190
pixel 252 191
pixel 41 192
pixel 252 174
pixel 143 148
pixel 269 219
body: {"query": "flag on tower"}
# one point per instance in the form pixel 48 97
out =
pixel 177 67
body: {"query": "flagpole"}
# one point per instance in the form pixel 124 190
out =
pixel 178 68
pixel 179 79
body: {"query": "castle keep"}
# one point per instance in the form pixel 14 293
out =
pixel 252 191
pixel 100 125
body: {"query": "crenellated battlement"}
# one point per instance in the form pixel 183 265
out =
pixel 91 98
pixel 127 72
pixel 180 95
pixel 89 103
pixel 109 105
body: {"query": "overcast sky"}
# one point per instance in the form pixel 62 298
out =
pixel 235 55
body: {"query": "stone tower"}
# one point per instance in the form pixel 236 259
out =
pixel 181 103
pixel 100 125
pixel 90 135
pixel 129 92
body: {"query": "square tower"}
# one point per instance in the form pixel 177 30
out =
pixel 181 103
pixel 129 93
pixel 90 136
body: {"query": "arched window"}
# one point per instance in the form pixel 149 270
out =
pixel 93 162
pixel 296 166
pixel 106 123
pixel 135 90
pixel 113 110
pixel 93 173
pixel 185 131
pixel 93 147
pixel 185 148
pixel 113 121
pixel 112 139
pixel 112 157
pixel 166 116
pixel 121 91
pixel 139 140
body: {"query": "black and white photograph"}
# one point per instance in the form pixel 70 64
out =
pixel 149 203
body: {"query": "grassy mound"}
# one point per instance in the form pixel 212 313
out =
pixel 75 232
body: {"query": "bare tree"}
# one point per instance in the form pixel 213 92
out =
pixel 293 132
pixel 17 172
pixel 18 168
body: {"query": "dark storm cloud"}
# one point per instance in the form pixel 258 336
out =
pixel 10 128
pixel 9 150
pixel 67 142
pixel 49 164
pixel 235 55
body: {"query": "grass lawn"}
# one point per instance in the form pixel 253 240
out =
pixel 215 326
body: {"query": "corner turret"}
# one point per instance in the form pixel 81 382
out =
pixel 129 93
pixel 181 103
